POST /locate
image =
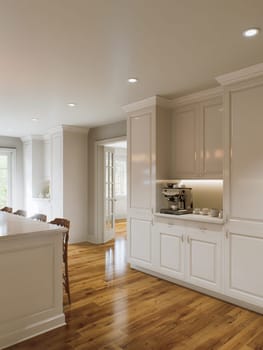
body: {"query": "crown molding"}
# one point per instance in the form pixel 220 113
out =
pixel 240 75
pixel 148 102
pixel 71 128
pixel 198 97
pixel 55 130
pixel 30 138
pixel 76 129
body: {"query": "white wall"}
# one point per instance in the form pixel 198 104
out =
pixel 15 142
pixel 75 183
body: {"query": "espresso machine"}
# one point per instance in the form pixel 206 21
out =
pixel 179 200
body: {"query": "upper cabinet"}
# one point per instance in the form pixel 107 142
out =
pixel 185 140
pixel 141 159
pixel 197 139
pixel 149 124
pixel 211 147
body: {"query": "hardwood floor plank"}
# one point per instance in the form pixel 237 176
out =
pixel 115 308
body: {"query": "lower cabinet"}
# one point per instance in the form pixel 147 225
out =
pixel 204 257
pixel 140 242
pixel 192 254
pixel 243 268
pixel 169 250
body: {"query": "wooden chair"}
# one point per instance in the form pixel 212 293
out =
pixel 39 217
pixel 7 209
pixel 20 212
pixel 64 223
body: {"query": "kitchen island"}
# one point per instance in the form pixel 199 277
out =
pixel 31 292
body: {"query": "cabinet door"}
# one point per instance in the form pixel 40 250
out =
pixel 211 156
pixel 185 137
pixel 140 242
pixel 244 263
pixel 204 258
pixel 140 160
pixel 169 242
pixel 246 143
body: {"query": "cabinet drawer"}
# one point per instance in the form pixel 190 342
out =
pixel 170 228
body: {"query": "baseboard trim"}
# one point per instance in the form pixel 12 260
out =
pixel 32 330
pixel 213 294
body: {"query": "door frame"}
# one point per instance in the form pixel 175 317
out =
pixel 99 186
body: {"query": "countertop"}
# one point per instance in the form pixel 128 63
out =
pixel 193 217
pixel 13 225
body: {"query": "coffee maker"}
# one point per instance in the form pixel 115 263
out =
pixel 179 200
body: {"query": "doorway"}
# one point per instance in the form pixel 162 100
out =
pixel 111 188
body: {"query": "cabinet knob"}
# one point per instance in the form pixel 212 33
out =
pixel 188 240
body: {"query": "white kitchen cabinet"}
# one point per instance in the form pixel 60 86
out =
pixel 141 148
pixel 211 147
pixel 204 257
pixel 244 261
pixel 141 187
pixel 185 143
pixel 140 241
pixel 243 184
pixel 246 142
pixel 190 252
pixel 169 250
pixel 197 140
pixel 143 157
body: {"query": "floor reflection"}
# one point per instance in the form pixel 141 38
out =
pixel 116 255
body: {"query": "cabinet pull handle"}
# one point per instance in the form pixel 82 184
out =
pixel 195 155
pixel 227 234
pixel 182 238
pixel 188 240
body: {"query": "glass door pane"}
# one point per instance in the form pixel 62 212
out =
pixel 109 219
pixel 4 179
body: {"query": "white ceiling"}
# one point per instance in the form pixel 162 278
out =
pixel 59 51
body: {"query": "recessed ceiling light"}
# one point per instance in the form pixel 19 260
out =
pixel 250 32
pixel 132 80
pixel 35 119
pixel 72 104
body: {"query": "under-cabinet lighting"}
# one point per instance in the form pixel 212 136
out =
pixel 201 182
pixel 35 119
pixel 71 104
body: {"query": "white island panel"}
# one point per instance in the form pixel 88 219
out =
pixel 31 293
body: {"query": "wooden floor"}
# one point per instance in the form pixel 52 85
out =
pixel 114 307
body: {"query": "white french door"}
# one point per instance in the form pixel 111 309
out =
pixel 109 194
pixel 7 161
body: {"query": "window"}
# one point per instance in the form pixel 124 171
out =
pixel 7 161
pixel 120 177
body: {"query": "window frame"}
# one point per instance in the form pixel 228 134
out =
pixel 11 153
pixel 122 159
